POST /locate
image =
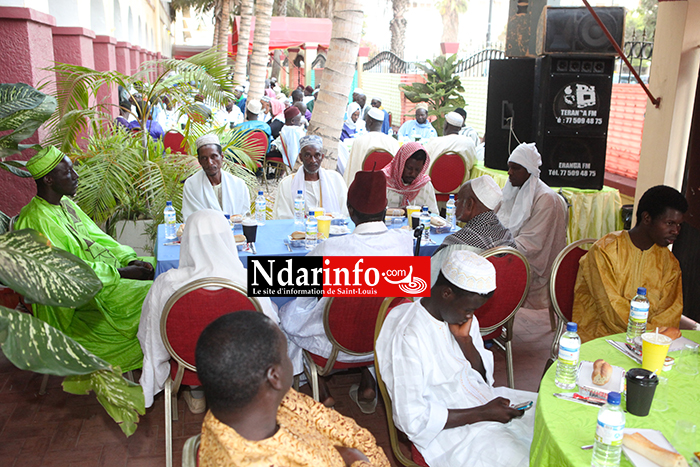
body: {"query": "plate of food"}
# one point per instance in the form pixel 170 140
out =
pixel 438 225
pixel 241 241
pixel 297 239
pixel 337 230
pixel 597 379
pixel 649 448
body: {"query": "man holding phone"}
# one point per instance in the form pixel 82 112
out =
pixel 440 377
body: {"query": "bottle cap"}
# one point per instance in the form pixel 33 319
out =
pixel 614 398
pixel 260 193
pixel 425 208
pixel 571 327
pixel 299 192
pixel 168 203
pixel 452 196
pixel 642 291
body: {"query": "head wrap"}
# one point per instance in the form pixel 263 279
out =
pixel 394 171
pixel 469 271
pixel 517 201
pixel 254 107
pixel 454 119
pixel 359 92
pixel 526 154
pixel 44 161
pixel 207 139
pixel 276 107
pixel 309 89
pixel 291 112
pixel 376 114
pixel 310 140
pixel 367 193
pixel 487 191
pixel 352 108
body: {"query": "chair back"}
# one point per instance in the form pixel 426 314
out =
pixel 255 145
pixel 175 141
pixel 381 158
pixel 512 286
pixel 192 308
pixel 448 172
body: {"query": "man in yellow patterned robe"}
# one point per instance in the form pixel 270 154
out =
pixel 620 262
pixel 255 418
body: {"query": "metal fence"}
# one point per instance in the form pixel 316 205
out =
pixel 638 51
pixel 388 62
pixel 473 65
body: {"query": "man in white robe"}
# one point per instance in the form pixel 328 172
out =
pixel 290 134
pixel 369 142
pixel 407 179
pixel 322 188
pixel 440 377
pixel 208 249
pixel 302 319
pixel 537 217
pixel 452 142
pixel 211 187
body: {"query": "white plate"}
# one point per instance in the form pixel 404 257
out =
pixel 655 436
pixel 339 230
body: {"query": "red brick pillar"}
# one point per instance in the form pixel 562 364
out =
pixel 26 48
pixel 74 46
pixel 106 60
pixel 123 54
pixel 135 58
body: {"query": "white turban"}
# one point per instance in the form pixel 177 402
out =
pixel 469 271
pixel 488 191
pixel 526 154
pixel 517 201
pixel 207 139
pixel 359 92
pixel 454 119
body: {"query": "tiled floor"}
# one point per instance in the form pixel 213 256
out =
pixel 60 429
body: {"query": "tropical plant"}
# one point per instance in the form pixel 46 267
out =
pixel 450 11
pixel 43 274
pixel 261 43
pixel 441 90
pixel 222 15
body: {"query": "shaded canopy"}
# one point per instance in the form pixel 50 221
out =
pixel 286 32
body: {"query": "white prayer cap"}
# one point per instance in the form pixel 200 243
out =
pixel 422 105
pixel 526 154
pixel 488 191
pixel 254 106
pixel 379 99
pixel 376 114
pixel 469 271
pixel 310 140
pixel 240 88
pixel 359 91
pixel 454 119
pixel 207 139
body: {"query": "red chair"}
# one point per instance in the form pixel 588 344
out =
pixel 416 457
pixel 380 158
pixel 185 315
pixel 448 172
pixel 562 280
pixel 175 141
pixel 497 316
pixel 255 145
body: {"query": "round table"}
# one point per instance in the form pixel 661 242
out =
pixel 562 427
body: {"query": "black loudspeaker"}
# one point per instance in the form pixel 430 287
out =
pixel 510 103
pixel 571 30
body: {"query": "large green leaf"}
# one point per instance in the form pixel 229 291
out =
pixel 50 276
pixel 20 102
pixel 16 168
pixel 31 344
pixel 4 222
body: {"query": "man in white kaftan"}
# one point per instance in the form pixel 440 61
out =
pixel 372 141
pixel 452 142
pixel 322 188
pixel 536 216
pixel 290 134
pixel 212 187
pixel 440 377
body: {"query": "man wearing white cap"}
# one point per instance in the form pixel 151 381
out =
pixel 452 142
pixel 367 143
pixel 536 216
pixel 253 109
pixel 321 188
pixel 440 377
pixel 386 125
pixel 211 187
pixel 420 128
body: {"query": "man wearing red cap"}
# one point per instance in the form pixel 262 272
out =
pixel 302 319
pixel 290 134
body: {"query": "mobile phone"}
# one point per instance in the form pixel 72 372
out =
pixel 524 406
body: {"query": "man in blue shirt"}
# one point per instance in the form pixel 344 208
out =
pixel 419 128
pixel 252 110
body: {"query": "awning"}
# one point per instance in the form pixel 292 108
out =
pixel 286 32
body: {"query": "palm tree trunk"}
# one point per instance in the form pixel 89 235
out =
pixel 327 119
pixel 217 22
pixel 261 43
pixel 243 40
pixel 397 26
pixel 450 26
pixel 224 22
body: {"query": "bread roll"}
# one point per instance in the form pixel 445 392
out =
pixel 639 444
pixel 673 333
pixel 437 221
pixel 240 238
pixel 602 372
pixel 298 235
pixel 396 212
pixel 236 218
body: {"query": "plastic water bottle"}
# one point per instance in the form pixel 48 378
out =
pixel 170 221
pixel 639 311
pixel 414 135
pixel 567 363
pixel 311 231
pixel 608 433
pixel 299 208
pixel 425 220
pixel 450 212
pixel 260 208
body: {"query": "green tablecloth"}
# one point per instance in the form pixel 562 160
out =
pixel 593 213
pixel 562 427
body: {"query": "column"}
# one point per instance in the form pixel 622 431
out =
pixel 134 53
pixel 106 60
pixel 123 54
pixel 74 46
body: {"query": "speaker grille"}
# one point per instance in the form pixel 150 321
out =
pixel 574 30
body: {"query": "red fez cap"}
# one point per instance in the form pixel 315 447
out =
pixel 367 193
pixel 290 113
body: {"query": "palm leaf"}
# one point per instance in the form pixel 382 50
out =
pixel 32 267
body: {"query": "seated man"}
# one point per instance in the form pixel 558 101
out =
pixel 440 376
pixel 208 250
pixel 353 125
pixel 406 180
pixel 420 128
pixel 253 109
pixel 290 134
pixel 255 418
pixel 468 131
pixel 536 216
pixel 107 324
pixel 302 319
pixel 452 141
pixel 211 187
pixel 230 115
pixel 377 103
pixel 620 262
pixel 322 188
pixel 364 144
